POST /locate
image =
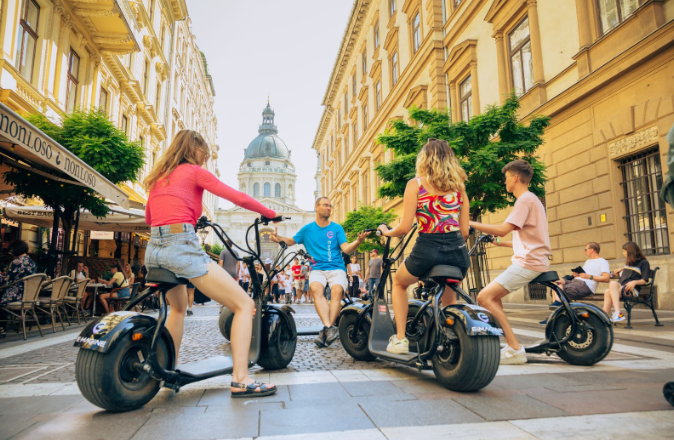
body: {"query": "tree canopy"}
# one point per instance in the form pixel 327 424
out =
pixel 483 145
pixel 366 217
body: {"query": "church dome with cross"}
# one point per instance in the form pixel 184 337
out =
pixel 267 143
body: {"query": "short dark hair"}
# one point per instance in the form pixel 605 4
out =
pixel 522 168
pixel 594 246
pixel 18 248
pixel 318 200
pixel 228 242
pixel 116 266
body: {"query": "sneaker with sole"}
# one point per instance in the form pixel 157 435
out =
pixel 320 339
pixel 618 317
pixel 544 322
pixel 331 335
pixel 398 346
pixel 510 356
pixel 554 305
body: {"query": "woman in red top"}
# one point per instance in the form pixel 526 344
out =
pixel 176 186
pixel 437 199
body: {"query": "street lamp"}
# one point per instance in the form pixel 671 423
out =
pixel 203 234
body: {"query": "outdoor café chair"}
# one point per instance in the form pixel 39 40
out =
pixel 21 309
pixel 54 302
pixel 74 303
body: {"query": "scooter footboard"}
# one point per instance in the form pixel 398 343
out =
pixel 477 320
pixel 103 334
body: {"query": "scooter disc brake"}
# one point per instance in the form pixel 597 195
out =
pixel 580 343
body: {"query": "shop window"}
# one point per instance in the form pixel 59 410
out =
pixel 72 77
pixel 277 190
pixel 645 211
pixel 521 64
pixel 267 190
pixel 466 98
pixel 27 39
pixel 614 12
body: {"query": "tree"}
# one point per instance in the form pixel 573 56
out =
pixel 93 138
pixel 366 217
pixel 483 145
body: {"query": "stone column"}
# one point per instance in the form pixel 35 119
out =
pixel 502 67
pixel 535 36
pixel 476 91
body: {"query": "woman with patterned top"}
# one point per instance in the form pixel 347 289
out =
pixel 20 267
pixel 437 199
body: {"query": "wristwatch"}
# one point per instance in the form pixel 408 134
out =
pixel 592 277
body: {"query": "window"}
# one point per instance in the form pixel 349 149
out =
pixel 391 7
pixel 129 61
pixel 394 68
pixel 162 37
pixel 520 58
pixel 646 212
pixel 466 99
pixel 457 3
pixel 103 100
pixel 125 124
pixel 614 12
pixel 355 133
pixel 346 103
pixel 267 190
pixel 27 40
pixel 72 78
pixel 346 148
pixel 339 117
pixel 267 162
pixel 366 190
pixel 353 85
pixel 377 95
pixel 364 118
pixel 157 99
pixel 277 190
pixel 364 62
pixel 416 33
pixel 256 190
pixel 151 10
pixel 146 75
pixel 376 35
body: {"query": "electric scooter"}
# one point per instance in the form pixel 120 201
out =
pixel 668 391
pixel 460 342
pixel 125 357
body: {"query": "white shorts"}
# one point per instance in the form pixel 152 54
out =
pixel 329 277
pixel 515 277
pixel 297 284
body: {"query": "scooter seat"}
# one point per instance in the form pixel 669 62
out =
pixel 546 277
pixel 164 276
pixel 451 272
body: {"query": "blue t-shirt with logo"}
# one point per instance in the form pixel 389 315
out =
pixel 323 244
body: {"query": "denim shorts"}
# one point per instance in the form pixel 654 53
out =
pixel 124 293
pixel 179 252
pixel 441 249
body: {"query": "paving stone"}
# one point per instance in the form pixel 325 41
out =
pixel 7 374
pixel 379 388
pixel 222 398
pixel 509 407
pixel 419 413
pixel 313 419
pixel 327 391
pixel 534 380
pixel 604 402
pixel 169 398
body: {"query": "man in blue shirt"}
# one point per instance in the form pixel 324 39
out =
pixel 325 241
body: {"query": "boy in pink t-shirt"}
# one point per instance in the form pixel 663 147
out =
pixel 531 250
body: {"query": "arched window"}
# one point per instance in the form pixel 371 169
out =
pixel 256 190
pixel 277 190
pixel 267 190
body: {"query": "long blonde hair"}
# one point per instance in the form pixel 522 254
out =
pixel 127 273
pixel 437 163
pixel 182 150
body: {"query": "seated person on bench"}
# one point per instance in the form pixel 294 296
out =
pixel 636 272
pixel 584 283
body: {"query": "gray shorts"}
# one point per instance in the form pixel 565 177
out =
pixel 576 289
pixel 516 277
pixel 179 252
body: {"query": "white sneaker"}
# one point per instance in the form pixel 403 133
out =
pixel 398 346
pixel 510 356
pixel 618 317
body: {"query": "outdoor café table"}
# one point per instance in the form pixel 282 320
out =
pixel 95 286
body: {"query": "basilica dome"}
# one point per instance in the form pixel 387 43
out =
pixel 267 143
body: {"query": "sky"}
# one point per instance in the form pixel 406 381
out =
pixel 284 49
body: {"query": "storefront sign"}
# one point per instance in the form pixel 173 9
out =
pixel 631 143
pixel 102 235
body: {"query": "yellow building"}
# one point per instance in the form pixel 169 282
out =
pixel 603 71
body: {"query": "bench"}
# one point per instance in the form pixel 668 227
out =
pixel 647 296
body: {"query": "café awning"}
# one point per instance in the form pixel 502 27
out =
pixel 117 220
pixel 23 145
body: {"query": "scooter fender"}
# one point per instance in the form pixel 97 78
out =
pixel 580 307
pixel 274 318
pixel 477 320
pixel 103 334
pixel 355 308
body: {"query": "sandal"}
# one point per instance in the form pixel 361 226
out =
pixel 250 390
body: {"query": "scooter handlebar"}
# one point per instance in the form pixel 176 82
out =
pixel 265 220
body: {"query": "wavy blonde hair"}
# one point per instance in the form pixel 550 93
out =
pixel 182 150
pixel 437 163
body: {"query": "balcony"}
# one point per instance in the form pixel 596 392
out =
pixel 111 24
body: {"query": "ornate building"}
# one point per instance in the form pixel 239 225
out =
pixel 601 70
pixel 267 174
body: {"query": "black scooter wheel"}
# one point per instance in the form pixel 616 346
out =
pixel 668 391
pixel 279 354
pixel 225 322
pixel 355 347
pixel 468 363
pixel 108 380
pixel 588 347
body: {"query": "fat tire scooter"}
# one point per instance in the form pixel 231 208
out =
pixel 458 342
pixel 125 357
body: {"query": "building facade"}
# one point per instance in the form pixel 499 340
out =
pixel 268 175
pixel 120 56
pixel 602 70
